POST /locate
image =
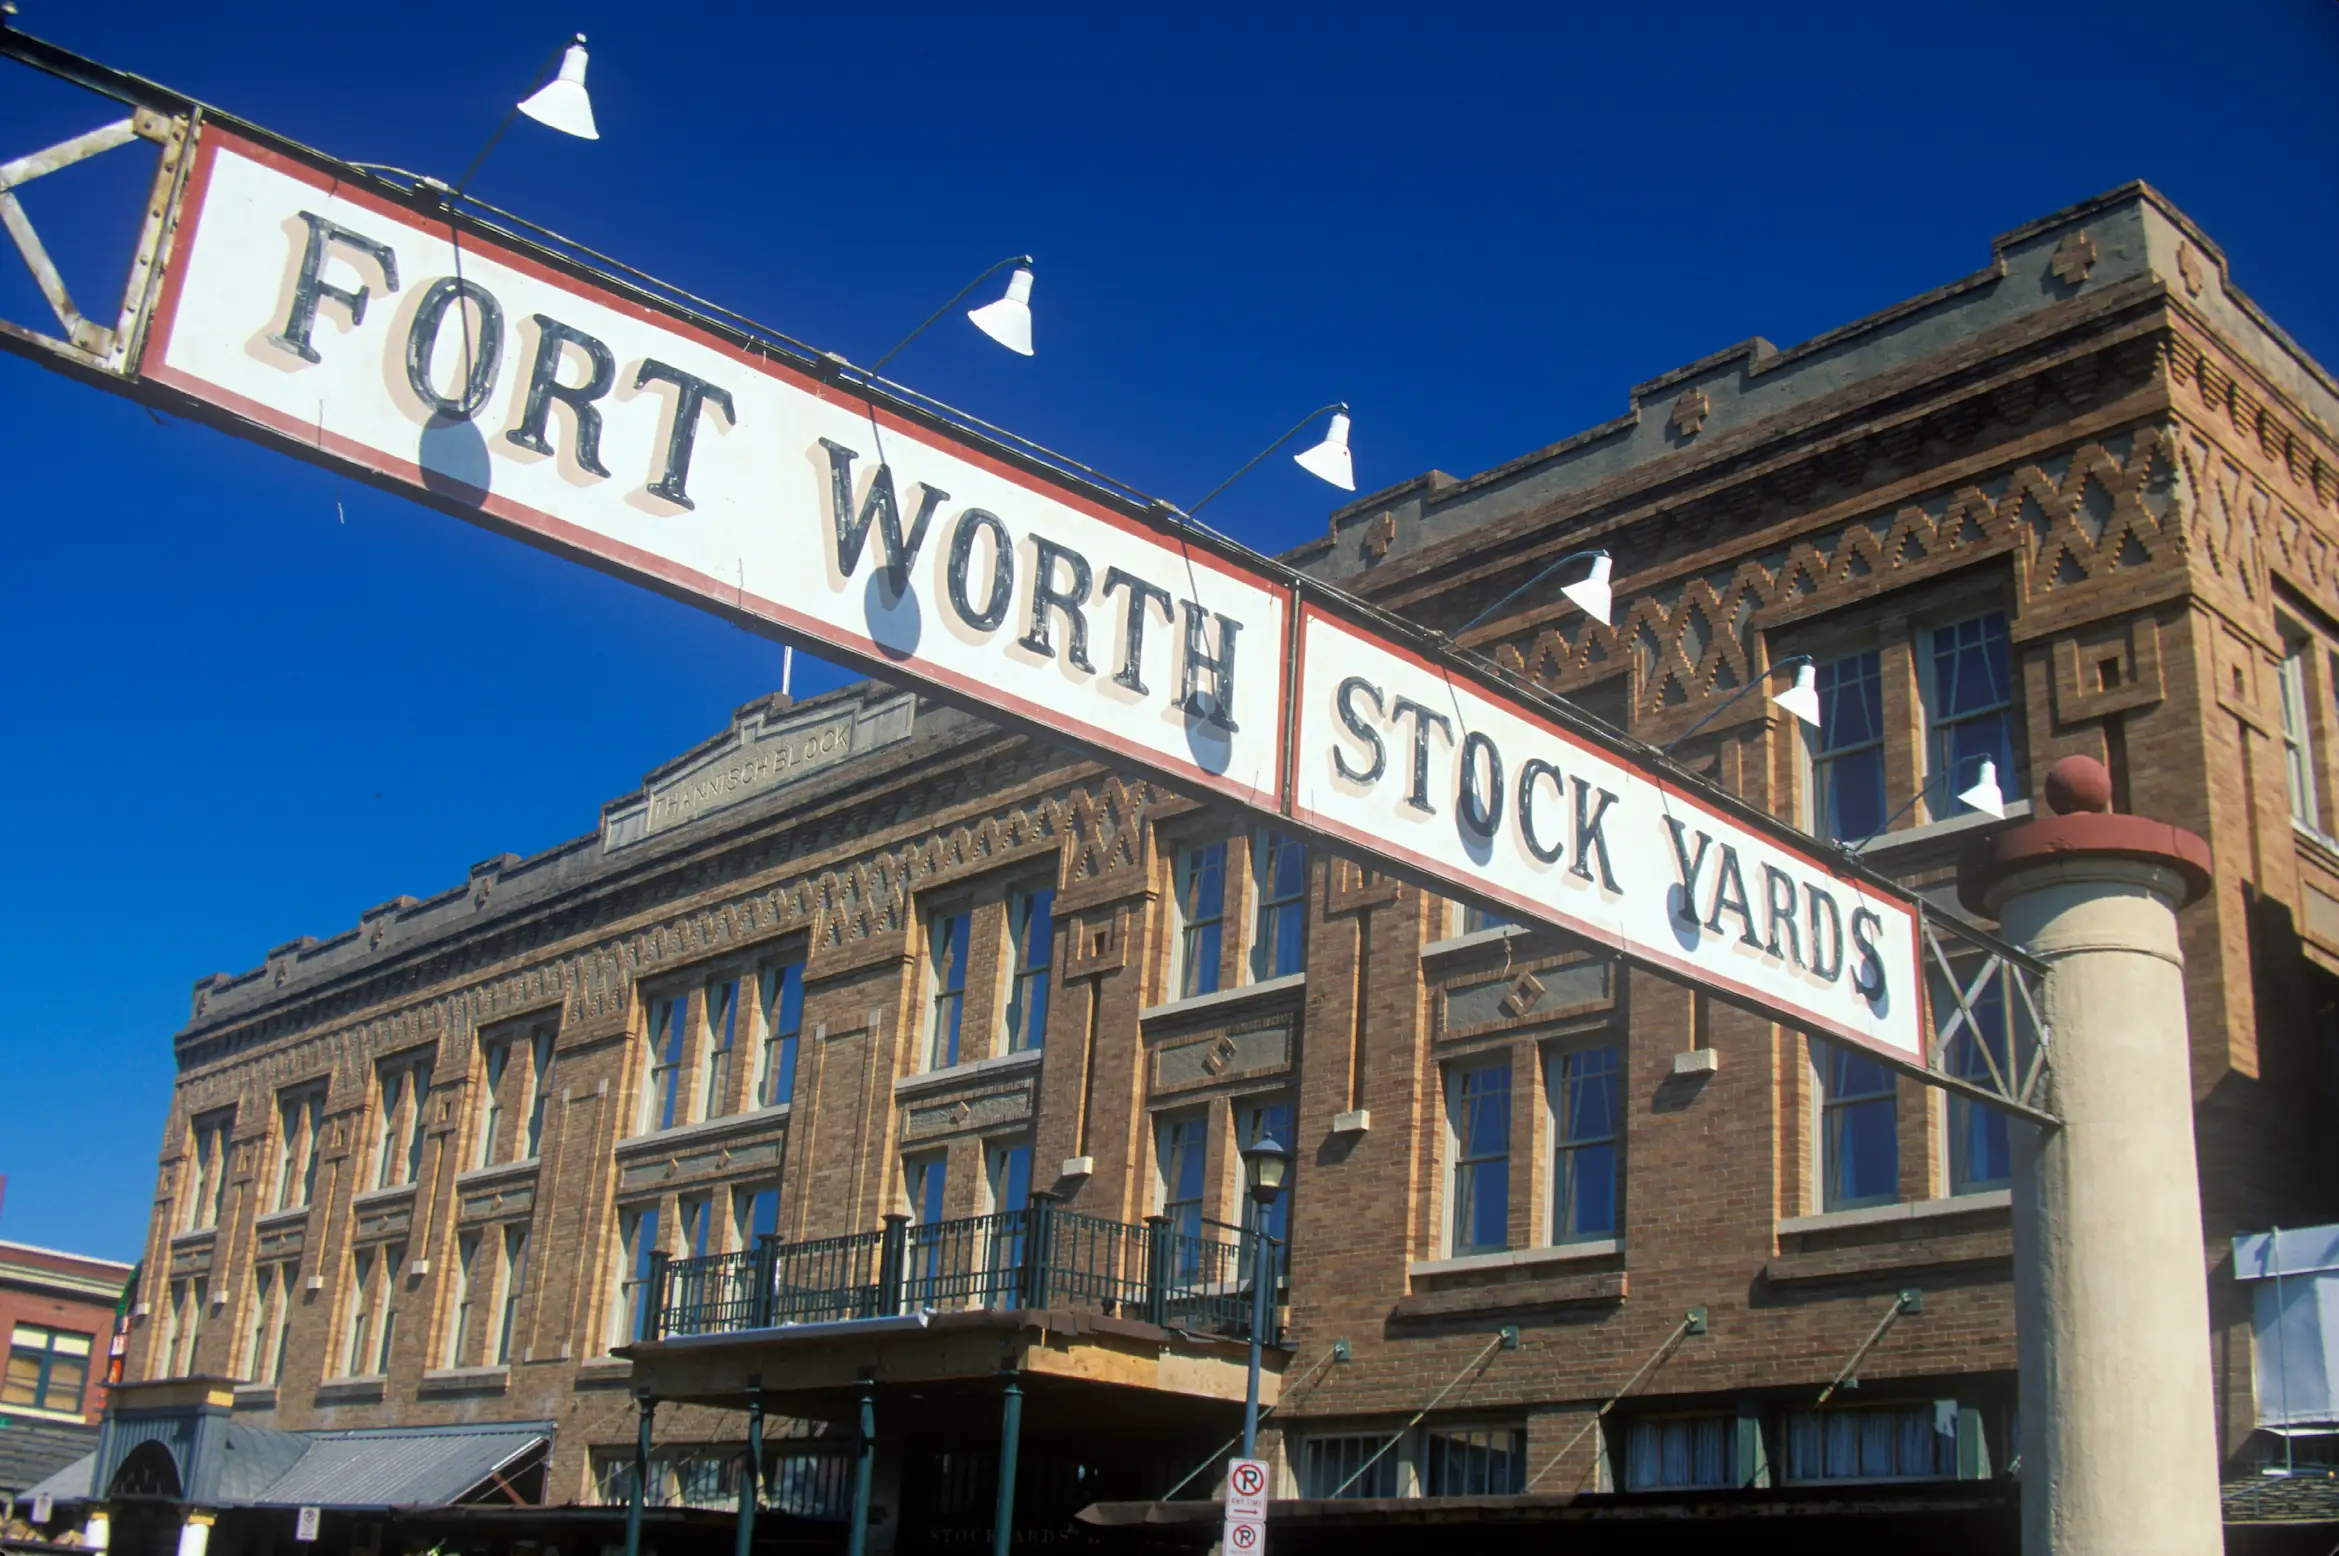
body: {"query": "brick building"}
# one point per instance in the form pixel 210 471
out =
pixel 826 1006
pixel 59 1312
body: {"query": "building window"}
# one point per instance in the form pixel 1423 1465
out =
pixel 1477 920
pixel 1896 1442
pixel 755 1214
pixel 1328 1467
pixel 393 1262
pixel 783 1022
pixel 1031 939
pixel 1200 873
pixel 669 1047
pixel 399 1122
pixel 515 1282
pixel 1255 1122
pixel 361 1311
pixel 166 1361
pixel 1859 1133
pixel 1279 939
pixel 491 1102
pixel 722 1008
pixel 696 1213
pixel 1682 1452
pixel 539 1088
pixel 1583 1089
pixel 461 1330
pixel 263 1302
pixel 925 1179
pixel 1182 1152
pixel 209 1199
pixel 1969 708
pixel 47 1369
pixel 1007 1179
pixel 1847 750
pixel 637 1238
pixel 1478 1120
pixel 2298 749
pixel 948 942
pixel 271 1322
pixel 301 1115
pixel 1479 1461
pixel 1981 1152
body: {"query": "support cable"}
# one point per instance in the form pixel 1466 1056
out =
pixel 1689 1321
pixel 1321 1361
pixel 1476 1363
pixel 1902 1302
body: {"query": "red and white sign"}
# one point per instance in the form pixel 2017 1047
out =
pixel 599 426
pixel 1396 756
pixel 1247 1482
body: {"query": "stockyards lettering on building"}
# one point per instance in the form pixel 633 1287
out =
pixel 341 317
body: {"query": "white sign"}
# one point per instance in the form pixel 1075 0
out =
pixel 607 430
pixel 44 1507
pixel 1246 1506
pixel 1396 756
pixel 305 1526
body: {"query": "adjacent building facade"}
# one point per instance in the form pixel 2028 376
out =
pixel 59 1312
pixel 747 1098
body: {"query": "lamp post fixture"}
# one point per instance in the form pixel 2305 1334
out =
pixel 1266 1166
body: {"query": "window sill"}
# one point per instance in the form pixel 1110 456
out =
pixel 1916 1210
pixel 1918 836
pixel 201 1235
pixel 1226 999
pixel 704 1129
pixel 353 1391
pixel 1456 945
pixel 373 1197
pixel 603 1371
pixel 477 1176
pixel 255 1396
pixel 1515 1258
pixel 972 1069
pixel 36 1413
pixel 467 1380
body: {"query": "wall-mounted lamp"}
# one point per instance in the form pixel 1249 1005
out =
pixel 1800 699
pixel 1007 321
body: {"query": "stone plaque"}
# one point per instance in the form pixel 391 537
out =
pixel 752 758
pixel 1221 1056
pixel 1519 996
pixel 986 1111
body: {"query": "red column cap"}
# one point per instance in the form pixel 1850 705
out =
pixel 2079 792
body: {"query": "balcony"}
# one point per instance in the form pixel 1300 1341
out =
pixel 1043 1258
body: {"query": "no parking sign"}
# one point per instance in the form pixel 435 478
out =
pixel 1246 1507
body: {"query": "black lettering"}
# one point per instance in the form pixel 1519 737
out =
pixel 1730 897
pixel 1536 768
pixel 1344 700
pixel 1869 980
pixel 544 387
pixel 694 393
pixel 479 363
pixel 1827 933
pixel 308 284
pixel 1482 814
pixel 1423 718
pixel 1590 839
pixel 1219 710
pixel 853 533
pixel 962 552
pixel 1685 909
pixel 1778 894
pixel 1045 596
pixel 1132 671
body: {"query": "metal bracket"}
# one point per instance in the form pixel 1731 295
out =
pixel 1992 996
pixel 1694 1321
pixel 1341 1353
pixel 1508 1336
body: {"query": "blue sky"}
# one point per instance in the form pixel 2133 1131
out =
pixel 246 699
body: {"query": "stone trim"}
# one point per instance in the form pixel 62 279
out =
pixel 1907 1210
pixel 971 1072
pixel 1227 1001
pixel 1515 1258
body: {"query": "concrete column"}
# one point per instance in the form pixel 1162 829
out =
pixel 2119 1452
pixel 195 1533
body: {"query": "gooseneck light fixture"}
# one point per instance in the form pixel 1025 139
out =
pixel 1984 796
pixel 1007 321
pixel 1266 1167
pixel 1800 699
pixel 1592 592
pixel 1326 461
pixel 560 103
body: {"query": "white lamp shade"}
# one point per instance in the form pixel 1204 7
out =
pixel 1008 321
pixel 1592 592
pixel 1802 698
pixel 561 102
pixel 1328 460
pixel 1985 796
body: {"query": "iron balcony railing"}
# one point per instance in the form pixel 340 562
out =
pixel 1196 1276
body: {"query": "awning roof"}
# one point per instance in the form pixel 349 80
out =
pixel 378 1468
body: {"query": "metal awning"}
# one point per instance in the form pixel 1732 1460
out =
pixel 394 1467
pixel 70 1484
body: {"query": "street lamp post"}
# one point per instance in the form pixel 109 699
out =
pixel 1266 1164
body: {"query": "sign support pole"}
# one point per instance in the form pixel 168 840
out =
pixel 2119 1448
